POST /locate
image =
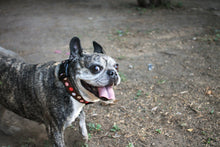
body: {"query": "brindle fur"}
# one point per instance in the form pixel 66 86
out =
pixel 35 92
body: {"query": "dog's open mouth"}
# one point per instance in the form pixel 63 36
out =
pixel 104 93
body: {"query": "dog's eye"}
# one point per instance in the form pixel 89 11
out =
pixel 116 66
pixel 95 69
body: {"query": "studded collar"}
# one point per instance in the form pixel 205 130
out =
pixel 64 78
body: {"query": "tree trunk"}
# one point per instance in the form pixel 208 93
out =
pixel 144 3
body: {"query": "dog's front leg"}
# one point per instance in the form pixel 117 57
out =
pixel 82 124
pixel 56 136
pixel 2 111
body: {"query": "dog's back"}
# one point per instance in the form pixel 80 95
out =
pixel 8 53
pixel 16 85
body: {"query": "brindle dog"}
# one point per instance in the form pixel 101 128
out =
pixel 55 93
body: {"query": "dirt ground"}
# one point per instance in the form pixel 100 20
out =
pixel 177 103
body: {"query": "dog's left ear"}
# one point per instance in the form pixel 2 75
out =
pixel 98 48
pixel 75 49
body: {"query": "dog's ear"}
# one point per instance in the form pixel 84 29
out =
pixel 98 48
pixel 75 49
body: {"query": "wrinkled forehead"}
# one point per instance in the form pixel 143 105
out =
pixel 99 59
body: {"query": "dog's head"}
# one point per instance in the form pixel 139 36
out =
pixel 94 75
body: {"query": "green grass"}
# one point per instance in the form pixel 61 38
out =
pixel 217 35
pixel 90 135
pixel 115 128
pixel 123 77
pixel 171 5
pixel 122 33
pixel 138 94
pixel 85 145
pixel 158 131
pixel 94 127
pixel 161 81
pixel 147 94
pixel 141 11
pixel 130 145
pixel 203 133
pixel 208 140
pixel 178 4
pixel 121 57
pixel 213 36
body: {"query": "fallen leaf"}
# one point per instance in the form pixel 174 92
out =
pixel 116 135
pixel 154 109
pixel 57 51
pixel 184 124
pixel 183 92
pixel 209 92
pixel 189 130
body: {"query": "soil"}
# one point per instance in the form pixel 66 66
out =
pixel 176 103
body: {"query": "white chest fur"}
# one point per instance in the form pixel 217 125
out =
pixel 77 108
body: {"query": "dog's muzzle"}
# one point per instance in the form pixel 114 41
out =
pixel 113 77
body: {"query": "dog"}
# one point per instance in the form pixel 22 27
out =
pixel 54 93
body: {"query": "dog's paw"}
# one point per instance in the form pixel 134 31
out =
pixel 86 139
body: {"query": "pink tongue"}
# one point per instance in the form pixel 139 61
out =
pixel 106 92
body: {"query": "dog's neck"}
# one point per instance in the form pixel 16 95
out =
pixel 65 79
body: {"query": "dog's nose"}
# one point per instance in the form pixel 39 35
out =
pixel 111 73
pixel 113 77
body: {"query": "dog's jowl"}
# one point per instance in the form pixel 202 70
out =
pixel 55 93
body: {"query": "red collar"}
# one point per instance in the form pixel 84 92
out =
pixel 64 78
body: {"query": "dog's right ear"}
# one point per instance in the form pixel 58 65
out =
pixel 98 48
pixel 75 49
